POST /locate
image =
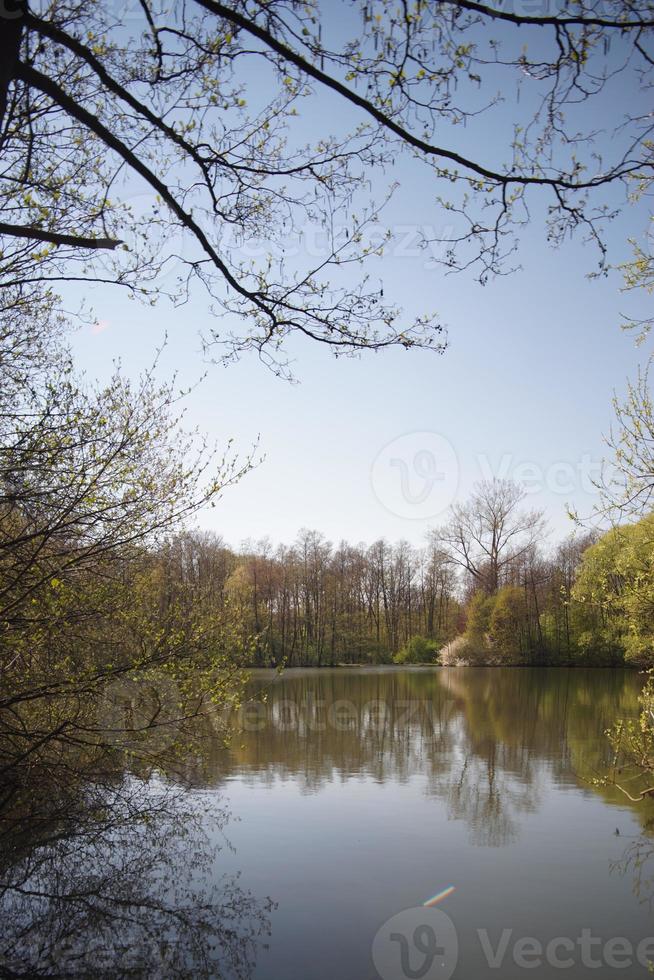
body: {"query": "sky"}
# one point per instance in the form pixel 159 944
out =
pixel 382 445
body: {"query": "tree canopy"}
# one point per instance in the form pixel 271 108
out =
pixel 139 139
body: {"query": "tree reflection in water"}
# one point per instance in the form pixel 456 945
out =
pixel 119 880
pixel 638 861
pixel 117 877
pixel 489 742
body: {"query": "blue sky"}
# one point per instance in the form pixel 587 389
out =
pixel 379 446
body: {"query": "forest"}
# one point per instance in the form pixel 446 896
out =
pixel 587 601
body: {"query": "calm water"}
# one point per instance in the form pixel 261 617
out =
pixel 357 795
pixel 362 793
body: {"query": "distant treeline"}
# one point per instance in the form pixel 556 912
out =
pixel 314 603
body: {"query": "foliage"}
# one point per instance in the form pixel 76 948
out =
pixel 628 488
pixel 592 603
pixel 616 584
pixel 315 603
pixel 633 747
pixel 497 628
pixel 535 617
pixel 92 482
pixel 479 611
pixel 506 626
pixel 419 650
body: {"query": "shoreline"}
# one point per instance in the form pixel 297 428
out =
pixel 428 666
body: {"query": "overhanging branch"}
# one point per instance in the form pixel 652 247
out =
pixel 57 238
pixel 562 182
pixel 46 85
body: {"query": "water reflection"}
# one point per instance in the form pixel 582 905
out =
pixel 637 862
pixel 360 793
pixel 489 742
pixel 120 879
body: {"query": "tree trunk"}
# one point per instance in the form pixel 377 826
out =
pixel 13 24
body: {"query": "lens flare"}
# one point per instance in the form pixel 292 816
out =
pixel 435 899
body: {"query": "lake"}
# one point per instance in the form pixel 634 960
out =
pixel 361 793
pixel 385 823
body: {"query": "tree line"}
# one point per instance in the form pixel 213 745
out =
pixel 101 580
pixel 483 589
pixel 320 604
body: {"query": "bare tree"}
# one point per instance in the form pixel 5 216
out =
pixel 490 533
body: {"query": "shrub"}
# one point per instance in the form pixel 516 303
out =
pixel 419 650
